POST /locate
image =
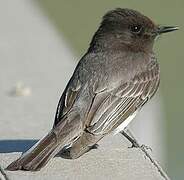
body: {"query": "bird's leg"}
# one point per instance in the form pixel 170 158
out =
pixel 144 149
pixel 82 145
pixel 126 133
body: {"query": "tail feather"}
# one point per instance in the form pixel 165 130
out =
pixel 37 157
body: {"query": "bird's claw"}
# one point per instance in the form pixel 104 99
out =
pixel 146 147
pixel 95 146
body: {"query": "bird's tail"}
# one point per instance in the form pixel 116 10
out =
pixel 37 157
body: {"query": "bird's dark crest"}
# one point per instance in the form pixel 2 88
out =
pixel 119 12
pixel 132 16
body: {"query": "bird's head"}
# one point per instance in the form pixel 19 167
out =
pixel 128 29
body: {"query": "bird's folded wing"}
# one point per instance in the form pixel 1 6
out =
pixel 67 100
pixel 110 109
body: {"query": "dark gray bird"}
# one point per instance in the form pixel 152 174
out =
pixel 112 81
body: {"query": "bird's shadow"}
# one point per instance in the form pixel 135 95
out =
pixel 17 145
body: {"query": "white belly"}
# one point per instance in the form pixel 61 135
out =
pixel 124 124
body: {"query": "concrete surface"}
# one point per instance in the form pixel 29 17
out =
pixel 111 161
pixel 31 52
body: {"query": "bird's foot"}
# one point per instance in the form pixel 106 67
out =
pixel 95 146
pixel 131 140
pixel 146 147
pixel 134 144
pixel 65 153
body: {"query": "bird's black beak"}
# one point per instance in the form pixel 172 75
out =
pixel 166 29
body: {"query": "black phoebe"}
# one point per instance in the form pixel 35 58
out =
pixel 112 81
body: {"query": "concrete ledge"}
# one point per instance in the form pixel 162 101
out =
pixel 112 160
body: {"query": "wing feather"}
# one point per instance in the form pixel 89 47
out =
pixel 67 100
pixel 123 101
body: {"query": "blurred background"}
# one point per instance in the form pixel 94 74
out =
pixel 42 40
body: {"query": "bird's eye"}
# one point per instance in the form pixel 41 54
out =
pixel 136 29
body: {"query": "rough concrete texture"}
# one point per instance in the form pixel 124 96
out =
pixel 44 66
pixel 113 160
